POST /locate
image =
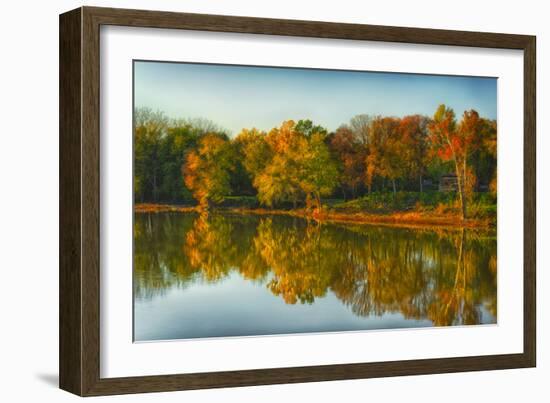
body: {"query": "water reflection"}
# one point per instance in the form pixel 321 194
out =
pixel 446 277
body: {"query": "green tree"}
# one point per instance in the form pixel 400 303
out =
pixel 149 129
pixel 176 143
pixel 307 128
pixel 320 173
pixel 160 147
pixel 484 156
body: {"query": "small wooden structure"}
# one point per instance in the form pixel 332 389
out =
pixel 448 183
pixel 427 184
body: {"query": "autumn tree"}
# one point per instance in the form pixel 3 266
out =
pixel 375 147
pixel 160 147
pixel 456 143
pixel 297 161
pixel 350 153
pixel 301 161
pixel 279 181
pixel 252 154
pixel 444 140
pixel 255 151
pixel 385 151
pixel 207 170
pixel 413 137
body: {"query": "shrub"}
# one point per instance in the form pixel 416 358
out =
pixel 483 204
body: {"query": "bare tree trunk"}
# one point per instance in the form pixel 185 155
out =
pixel 464 188
pixel 155 187
pixel 204 204
pixel 318 200
pixel 459 181
pixel 460 190
pixel 420 181
pixel 393 186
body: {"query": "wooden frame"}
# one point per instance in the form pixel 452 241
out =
pixel 79 200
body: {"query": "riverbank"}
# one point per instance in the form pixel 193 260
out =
pixel 163 208
pixel 401 219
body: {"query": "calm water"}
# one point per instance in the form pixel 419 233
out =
pixel 236 275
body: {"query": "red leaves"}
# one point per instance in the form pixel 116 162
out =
pixel 445 153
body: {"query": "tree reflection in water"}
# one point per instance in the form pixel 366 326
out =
pixel 446 276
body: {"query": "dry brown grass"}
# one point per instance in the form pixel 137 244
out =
pixel 402 219
pixel 161 208
pixel 408 219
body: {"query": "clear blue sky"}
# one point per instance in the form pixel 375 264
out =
pixel 235 97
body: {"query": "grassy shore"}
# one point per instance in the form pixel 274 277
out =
pixel 419 217
pixel 162 208
pixel 407 219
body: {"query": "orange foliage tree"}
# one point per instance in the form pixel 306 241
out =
pixel 290 163
pixel 207 170
pixel 456 143
pixel 415 146
pixel 351 153
pixel 385 151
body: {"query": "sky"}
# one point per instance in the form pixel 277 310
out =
pixel 236 97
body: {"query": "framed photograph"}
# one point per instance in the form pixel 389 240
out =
pixel 249 201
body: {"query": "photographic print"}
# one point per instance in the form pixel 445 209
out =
pixel 275 200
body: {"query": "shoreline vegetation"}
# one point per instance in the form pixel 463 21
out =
pixel 403 171
pixel 408 219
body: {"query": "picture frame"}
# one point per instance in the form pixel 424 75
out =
pixel 80 154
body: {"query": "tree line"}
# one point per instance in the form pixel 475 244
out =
pixel 299 163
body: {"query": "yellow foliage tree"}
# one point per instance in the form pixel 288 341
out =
pixel 207 170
